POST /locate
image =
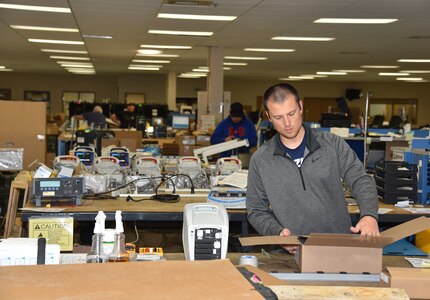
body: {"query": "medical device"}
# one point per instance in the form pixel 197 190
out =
pixel 205 231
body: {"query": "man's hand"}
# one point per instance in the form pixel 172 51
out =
pixel 229 138
pixel 367 226
pixel 291 249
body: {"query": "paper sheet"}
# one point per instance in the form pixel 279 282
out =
pixel 44 209
pixel 416 210
pixel 419 262
pixel 236 179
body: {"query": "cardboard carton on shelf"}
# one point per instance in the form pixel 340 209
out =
pixel 414 281
pixel 185 139
pixel 203 140
pixel 334 253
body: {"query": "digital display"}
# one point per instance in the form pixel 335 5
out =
pixel 50 183
pixel 122 158
pixel 180 122
pixel 85 157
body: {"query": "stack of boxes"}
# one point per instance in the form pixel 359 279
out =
pixel 187 143
pixel 396 181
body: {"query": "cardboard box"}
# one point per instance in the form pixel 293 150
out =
pixel 23 125
pixel 187 150
pixel 203 140
pixel 130 138
pixel 414 281
pixel 334 253
pixel 186 139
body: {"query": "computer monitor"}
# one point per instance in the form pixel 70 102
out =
pixel 157 121
pixel 180 122
pixel 378 121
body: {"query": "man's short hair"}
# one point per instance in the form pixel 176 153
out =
pixel 279 92
pixel 98 108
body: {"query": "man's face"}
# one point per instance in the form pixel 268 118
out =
pixel 131 108
pixel 236 119
pixel 286 116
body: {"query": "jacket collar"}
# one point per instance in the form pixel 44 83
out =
pixel 311 142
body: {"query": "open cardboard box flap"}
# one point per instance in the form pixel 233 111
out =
pixel 344 240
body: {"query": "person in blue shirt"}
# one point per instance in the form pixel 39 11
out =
pixel 235 126
pixel 95 118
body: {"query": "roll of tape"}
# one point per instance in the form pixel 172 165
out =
pixel 249 260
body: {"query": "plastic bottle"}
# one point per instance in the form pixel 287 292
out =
pixel 97 255
pixel 108 240
pixel 118 253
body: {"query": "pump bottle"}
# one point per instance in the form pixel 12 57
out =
pixel 118 253
pixel 96 255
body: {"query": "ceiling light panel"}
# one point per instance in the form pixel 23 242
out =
pixel 179 32
pixel 245 57
pixel 414 60
pixel 64 51
pixel 153 61
pixel 269 50
pixel 63 42
pixel 36 8
pixel 302 38
pixel 354 21
pixel 177 47
pixel 196 17
pixel 41 28
pixel 69 57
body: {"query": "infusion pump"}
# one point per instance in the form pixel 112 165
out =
pixel 205 231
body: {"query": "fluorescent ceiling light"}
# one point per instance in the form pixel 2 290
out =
pixel 410 78
pixel 226 69
pixel 143 68
pixel 378 67
pixel 354 21
pixel 78 66
pixel 393 74
pixel 417 71
pixel 235 64
pixel 332 73
pixel 269 50
pixel 2 67
pixel 195 74
pixel 190 76
pixel 166 47
pixel 94 36
pixel 290 79
pixel 201 70
pixel 146 66
pixel 56 42
pixel 350 71
pixel 414 60
pixel 302 38
pixel 196 17
pixel 64 51
pixel 5 70
pixel 245 57
pixel 301 77
pixel 182 32
pixel 80 70
pixel 40 28
pixel 151 61
pixel 36 8
pixel 74 62
pixel 156 55
pixel 315 76
pixel 69 57
pixel 149 52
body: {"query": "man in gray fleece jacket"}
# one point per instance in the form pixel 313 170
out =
pixel 294 180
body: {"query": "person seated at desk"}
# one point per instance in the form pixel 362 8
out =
pixel 294 179
pixel 126 118
pixel 94 118
pixel 235 126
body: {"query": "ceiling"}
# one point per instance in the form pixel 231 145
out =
pixel 128 22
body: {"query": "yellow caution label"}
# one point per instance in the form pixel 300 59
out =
pixel 55 230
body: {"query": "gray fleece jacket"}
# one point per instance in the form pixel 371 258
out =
pixel 311 198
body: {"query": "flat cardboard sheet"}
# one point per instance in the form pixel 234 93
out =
pixel 214 279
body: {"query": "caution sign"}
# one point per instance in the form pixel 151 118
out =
pixel 55 230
